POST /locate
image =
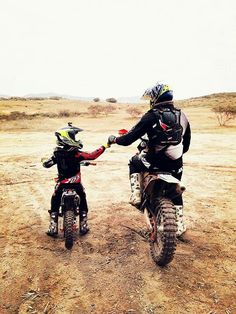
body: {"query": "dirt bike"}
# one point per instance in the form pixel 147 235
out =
pixel 69 209
pixel 158 191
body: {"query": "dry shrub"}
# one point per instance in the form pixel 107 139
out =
pixel 55 98
pixel 96 99
pixel 14 115
pixel 109 109
pixel 134 112
pixel 16 98
pixel 95 110
pixel 64 113
pixel 17 115
pixel 49 115
pixel 36 98
pixel 111 99
pixel 224 113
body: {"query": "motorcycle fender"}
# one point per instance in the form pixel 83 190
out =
pixel 168 178
pixel 150 178
pixel 70 199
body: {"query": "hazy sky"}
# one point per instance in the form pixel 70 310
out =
pixel 116 48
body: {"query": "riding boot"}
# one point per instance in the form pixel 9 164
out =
pixel 83 224
pixel 181 227
pixel 135 197
pixel 53 224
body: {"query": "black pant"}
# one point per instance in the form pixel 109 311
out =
pixel 56 197
pixel 138 165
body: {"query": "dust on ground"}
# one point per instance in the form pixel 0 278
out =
pixel 110 270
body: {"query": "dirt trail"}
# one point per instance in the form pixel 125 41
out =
pixel 110 269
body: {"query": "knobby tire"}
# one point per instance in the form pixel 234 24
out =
pixel 68 228
pixel 163 248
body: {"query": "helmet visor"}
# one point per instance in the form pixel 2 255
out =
pixel 146 97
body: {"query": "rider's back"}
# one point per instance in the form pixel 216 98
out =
pixel 158 137
pixel 67 164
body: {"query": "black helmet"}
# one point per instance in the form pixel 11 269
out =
pixel 66 136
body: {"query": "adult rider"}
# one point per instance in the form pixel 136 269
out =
pixel 158 154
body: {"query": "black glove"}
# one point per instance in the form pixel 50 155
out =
pixel 47 163
pixel 111 139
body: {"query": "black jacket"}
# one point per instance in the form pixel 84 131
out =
pixel 68 160
pixel 164 154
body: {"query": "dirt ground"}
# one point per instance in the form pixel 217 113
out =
pixel 110 270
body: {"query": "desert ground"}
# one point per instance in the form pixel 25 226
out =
pixel 110 270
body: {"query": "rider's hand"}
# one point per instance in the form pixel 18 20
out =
pixel 111 139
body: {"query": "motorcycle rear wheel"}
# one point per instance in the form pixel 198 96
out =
pixel 68 228
pixel 163 247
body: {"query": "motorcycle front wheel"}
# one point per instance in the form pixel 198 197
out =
pixel 68 228
pixel 163 236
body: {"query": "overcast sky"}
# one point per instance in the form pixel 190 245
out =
pixel 113 48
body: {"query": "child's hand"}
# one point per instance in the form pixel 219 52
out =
pixel 106 145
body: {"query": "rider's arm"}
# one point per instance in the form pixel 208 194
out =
pixel 90 156
pixel 186 139
pixel 50 162
pixel 186 132
pixel 136 132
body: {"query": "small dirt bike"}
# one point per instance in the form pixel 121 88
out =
pixel 158 191
pixel 69 209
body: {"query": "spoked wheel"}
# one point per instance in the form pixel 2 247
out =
pixel 68 228
pixel 163 236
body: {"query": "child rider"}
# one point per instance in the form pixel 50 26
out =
pixel 67 156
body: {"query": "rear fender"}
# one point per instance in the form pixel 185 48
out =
pixel 70 200
pixel 161 184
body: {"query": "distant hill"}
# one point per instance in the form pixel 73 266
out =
pixel 209 100
pixel 49 95
pixel 134 99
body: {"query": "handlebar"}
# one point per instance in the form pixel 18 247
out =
pixel 88 163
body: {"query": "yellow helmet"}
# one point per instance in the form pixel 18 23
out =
pixel 66 136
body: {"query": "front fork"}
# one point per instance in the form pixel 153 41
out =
pixel 151 224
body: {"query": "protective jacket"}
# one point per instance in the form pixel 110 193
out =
pixel 68 160
pixel 162 156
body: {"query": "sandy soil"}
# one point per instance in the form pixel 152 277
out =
pixel 110 270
